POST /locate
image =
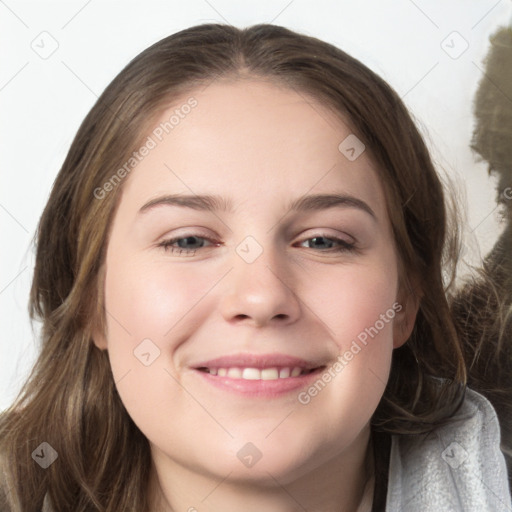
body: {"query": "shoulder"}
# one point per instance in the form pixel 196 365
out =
pixel 457 467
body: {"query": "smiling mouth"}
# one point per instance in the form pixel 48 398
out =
pixel 248 373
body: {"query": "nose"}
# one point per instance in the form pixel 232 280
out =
pixel 261 292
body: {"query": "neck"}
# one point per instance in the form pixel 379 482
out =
pixel 335 486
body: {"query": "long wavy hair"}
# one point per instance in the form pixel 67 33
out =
pixel 70 400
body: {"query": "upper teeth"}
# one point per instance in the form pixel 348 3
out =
pixel 256 373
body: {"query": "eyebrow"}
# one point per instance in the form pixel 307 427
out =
pixel 218 203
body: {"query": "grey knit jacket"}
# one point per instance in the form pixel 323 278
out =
pixel 457 468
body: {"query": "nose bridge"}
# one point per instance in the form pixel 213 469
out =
pixel 263 259
pixel 260 286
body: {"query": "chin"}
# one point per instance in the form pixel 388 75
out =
pixel 270 473
pixel 263 462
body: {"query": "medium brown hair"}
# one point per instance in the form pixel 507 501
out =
pixel 70 399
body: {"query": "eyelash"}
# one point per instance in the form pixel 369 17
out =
pixel 167 245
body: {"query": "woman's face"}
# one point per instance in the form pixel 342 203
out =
pixel 251 286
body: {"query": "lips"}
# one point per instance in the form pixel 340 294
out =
pixel 247 365
pixel 249 373
pixel 258 375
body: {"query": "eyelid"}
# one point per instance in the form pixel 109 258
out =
pixel 324 232
pixel 187 231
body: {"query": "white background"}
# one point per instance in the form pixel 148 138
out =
pixel 43 100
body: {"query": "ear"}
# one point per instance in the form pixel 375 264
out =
pixel 99 338
pixel 98 327
pixel 409 299
pixel 98 331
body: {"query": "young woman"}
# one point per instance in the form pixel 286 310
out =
pixel 240 277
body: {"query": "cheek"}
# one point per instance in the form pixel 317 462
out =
pixel 147 308
pixel 356 300
pixel 359 313
pixel 151 299
pixel 151 307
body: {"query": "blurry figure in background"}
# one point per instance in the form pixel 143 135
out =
pixel 483 307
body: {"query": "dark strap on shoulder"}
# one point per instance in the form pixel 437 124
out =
pixel 382 452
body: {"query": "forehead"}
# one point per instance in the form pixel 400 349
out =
pixel 254 139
